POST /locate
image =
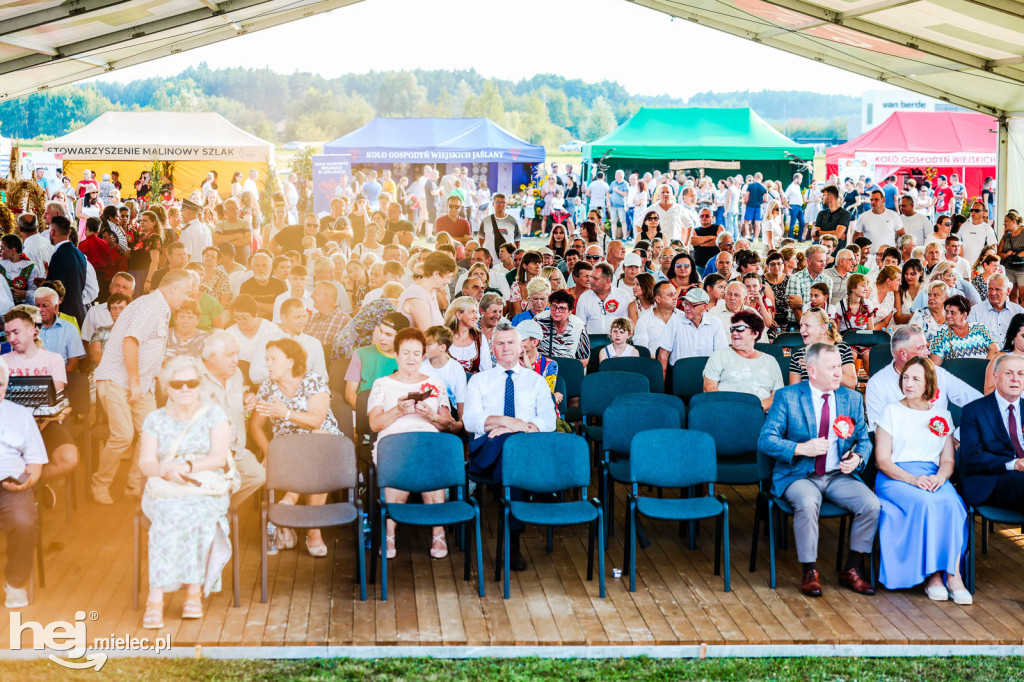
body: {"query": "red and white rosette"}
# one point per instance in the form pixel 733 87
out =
pixel 843 427
pixel 938 426
pixel 936 398
pixel 611 305
pixel 19 283
pixel 429 387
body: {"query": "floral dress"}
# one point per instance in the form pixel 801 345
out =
pixel 188 536
pixel 217 286
pixel 311 384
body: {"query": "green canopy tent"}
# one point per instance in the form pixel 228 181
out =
pixel 719 141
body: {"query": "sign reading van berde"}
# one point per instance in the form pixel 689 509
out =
pixel 147 153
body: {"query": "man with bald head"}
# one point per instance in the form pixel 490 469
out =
pixel 262 287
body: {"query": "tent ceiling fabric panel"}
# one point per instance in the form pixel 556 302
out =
pixel 966 52
pixel 44 43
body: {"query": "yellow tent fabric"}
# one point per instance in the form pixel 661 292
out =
pixel 188 175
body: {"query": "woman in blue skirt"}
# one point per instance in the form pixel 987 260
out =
pixel 923 521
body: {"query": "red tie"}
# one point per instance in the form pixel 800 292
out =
pixel 1014 435
pixel 826 417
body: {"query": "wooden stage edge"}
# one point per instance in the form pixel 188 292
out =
pixel 679 608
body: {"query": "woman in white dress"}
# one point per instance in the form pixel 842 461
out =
pixel 923 521
pixel 813 205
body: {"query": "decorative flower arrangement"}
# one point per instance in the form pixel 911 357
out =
pixel 843 426
pixel 938 426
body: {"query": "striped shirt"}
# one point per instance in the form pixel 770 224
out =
pixel 146 319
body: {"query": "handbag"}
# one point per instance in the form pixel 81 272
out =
pixel 499 238
pixel 215 483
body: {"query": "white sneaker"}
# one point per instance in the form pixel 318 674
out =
pixel 101 495
pixel 16 598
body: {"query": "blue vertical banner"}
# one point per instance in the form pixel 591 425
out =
pixel 329 173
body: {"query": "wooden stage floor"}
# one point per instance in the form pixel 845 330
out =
pixel 678 599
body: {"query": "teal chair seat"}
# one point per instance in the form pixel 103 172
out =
pixel 443 513
pixel 736 473
pixel 553 514
pixel 672 509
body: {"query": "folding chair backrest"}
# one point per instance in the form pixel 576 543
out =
pixel 571 370
pixel 336 375
pixel 560 388
pixel 765 467
pixel 672 458
pixel 688 377
pixel 673 401
pixel 780 353
pixel 310 463
pixel 879 357
pixel 621 421
pixel 725 397
pixel 646 366
pixel 420 462
pixel 363 414
pixel 733 426
pixel 866 337
pixel 644 351
pixel 789 340
pixel 969 370
pixel 600 388
pixel 545 462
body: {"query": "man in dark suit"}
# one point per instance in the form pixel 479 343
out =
pixel 67 265
pixel 817 434
pixel 991 441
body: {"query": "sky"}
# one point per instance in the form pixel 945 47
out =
pixel 592 40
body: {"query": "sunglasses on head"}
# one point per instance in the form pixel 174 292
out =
pixel 189 383
pixel 738 328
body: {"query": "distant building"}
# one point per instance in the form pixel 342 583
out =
pixel 878 105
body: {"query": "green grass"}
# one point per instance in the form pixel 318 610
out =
pixel 493 670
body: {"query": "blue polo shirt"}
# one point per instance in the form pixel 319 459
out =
pixel 757 192
pixel 618 200
pixel 890 196
pixel 62 338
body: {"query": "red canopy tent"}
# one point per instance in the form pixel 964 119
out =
pixel 925 144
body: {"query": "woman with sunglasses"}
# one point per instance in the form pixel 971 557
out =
pixel 651 227
pixel 683 275
pixel 741 368
pixel 293 400
pixel 188 540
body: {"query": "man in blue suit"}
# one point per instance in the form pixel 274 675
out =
pixel 815 460
pixel 991 451
pixel 67 265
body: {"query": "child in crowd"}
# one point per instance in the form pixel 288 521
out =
pixel 856 312
pixel 621 331
pixel 438 364
pixel 819 299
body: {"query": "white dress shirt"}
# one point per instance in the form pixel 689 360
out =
pixel 649 328
pixel 254 349
pixel 995 321
pixel 884 389
pixel 684 340
pixel 485 397
pixel 817 401
pixel 598 314
pixel 196 236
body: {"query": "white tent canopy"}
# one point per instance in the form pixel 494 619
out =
pixel 167 135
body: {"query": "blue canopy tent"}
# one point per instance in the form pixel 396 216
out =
pixel 445 143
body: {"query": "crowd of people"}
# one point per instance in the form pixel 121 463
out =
pixel 205 330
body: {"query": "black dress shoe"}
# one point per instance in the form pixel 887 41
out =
pixel 516 560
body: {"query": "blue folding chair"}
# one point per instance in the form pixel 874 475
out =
pixel 648 367
pixel 879 357
pixel 548 463
pixel 736 448
pixel 789 340
pixel 969 370
pixel 675 458
pixel 571 370
pixel 598 391
pixel 623 421
pixel 688 377
pixel 725 397
pixel 418 463
pixel 673 401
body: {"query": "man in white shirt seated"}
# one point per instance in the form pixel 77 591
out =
pixel 500 401
pixel 252 334
pixel 996 311
pixel 884 387
pixel 652 322
pixel 297 281
pixel 694 334
pixel 98 315
pixel 602 303
pixel 294 317
pixel 22 456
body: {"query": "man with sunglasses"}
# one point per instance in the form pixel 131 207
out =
pixel 976 234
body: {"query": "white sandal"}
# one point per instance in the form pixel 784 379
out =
pixel 443 551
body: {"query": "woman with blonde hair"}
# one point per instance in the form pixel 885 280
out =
pixel 817 327
pixel 772 224
pixel 469 346
pixel 554 277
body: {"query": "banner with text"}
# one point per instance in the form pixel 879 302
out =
pixel 904 159
pixel 328 170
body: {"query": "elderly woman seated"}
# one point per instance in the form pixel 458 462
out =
pixel 409 401
pixel 184 449
pixel 741 367
pixel 293 400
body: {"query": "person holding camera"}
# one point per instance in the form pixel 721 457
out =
pixel 409 401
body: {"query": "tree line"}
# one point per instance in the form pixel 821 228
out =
pixel 545 109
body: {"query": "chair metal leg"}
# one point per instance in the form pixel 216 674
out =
pixel 757 532
pixel 263 554
pixel 479 555
pixel 499 549
pixel 551 539
pixel 630 543
pixel 771 544
pixel 840 543
pixel 507 542
pixel 236 569
pixel 718 545
pixel 600 553
pixel 361 552
pixel 467 545
pixel 972 519
pixel 590 549
pixel 725 549
pixel 383 554
pixel 986 525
